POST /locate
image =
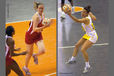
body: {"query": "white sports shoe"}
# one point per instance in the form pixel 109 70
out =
pixel 71 61
pixel 26 70
pixel 86 69
pixel 35 59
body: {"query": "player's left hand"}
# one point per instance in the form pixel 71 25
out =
pixel 17 49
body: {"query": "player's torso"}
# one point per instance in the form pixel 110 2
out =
pixel 39 24
pixel 90 27
pixel 7 49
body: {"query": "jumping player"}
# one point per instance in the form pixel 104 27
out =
pixel 34 36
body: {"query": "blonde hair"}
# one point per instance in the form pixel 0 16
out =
pixel 36 4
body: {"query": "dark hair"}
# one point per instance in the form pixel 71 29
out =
pixel 29 23
pixel 9 30
pixel 36 4
pixel 88 8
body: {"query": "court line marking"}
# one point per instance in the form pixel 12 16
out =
pixel 50 74
pixel 102 44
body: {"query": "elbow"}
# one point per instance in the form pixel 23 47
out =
pixel 95 19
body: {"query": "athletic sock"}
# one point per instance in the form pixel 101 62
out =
pixel 87 64
pixel 73 58
pixel 25 67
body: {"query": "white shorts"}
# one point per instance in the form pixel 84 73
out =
pixel 91 36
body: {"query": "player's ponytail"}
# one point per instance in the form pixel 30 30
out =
pixel 36 4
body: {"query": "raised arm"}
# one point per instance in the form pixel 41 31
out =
pixel 83 20
pixel 92 16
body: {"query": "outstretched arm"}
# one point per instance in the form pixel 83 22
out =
pixel 10 43
pixel 83 20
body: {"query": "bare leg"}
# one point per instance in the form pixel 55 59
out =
pixel 40 45
pixel 15 67
pixel 8 70
pixel 76 50
pixel 27 59
pixel 78 44
pixel 29 53
pixel 87 44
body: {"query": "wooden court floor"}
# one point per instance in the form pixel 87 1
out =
pixel 47 62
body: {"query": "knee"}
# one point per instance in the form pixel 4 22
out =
pixel 82 50
pixel 42 51
pixel 77 46
pixel 29 52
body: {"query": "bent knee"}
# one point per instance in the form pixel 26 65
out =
pixel 82 50
pixel 42 51
pixel 77 45
pixel 29 52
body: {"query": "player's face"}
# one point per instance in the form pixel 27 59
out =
pixel 13 33
pixel 40 9
pixel 84 13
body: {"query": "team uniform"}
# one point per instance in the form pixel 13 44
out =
pixel 32 37
pixel 91 34
pixel 11 64
pixel 9 60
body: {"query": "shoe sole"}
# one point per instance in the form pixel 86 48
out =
pixel 71 62
pixel 89 70
pixel 26 72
